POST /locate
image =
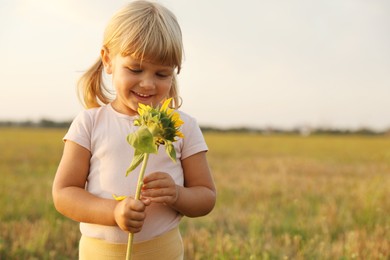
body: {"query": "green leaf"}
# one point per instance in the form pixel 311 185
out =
pixel 170 149
pixel 165 122
pixel 137 159
pixel 154 129
pixel 142 140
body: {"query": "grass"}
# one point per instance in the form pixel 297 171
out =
pixel 279 197
pixel 30 228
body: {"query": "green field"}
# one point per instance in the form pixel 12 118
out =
pixel 279 197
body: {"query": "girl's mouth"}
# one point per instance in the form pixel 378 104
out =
pixel 143 96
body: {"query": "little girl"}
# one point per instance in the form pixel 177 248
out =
pixel 142 51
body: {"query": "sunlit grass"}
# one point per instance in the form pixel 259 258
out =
pixel 30 228
pixel 279 197
pixel 289 197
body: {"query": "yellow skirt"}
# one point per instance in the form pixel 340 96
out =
pixel 168 246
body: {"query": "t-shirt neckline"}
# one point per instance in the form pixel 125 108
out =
pixel 118 114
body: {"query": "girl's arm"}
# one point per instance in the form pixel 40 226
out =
pixel 195 199
pixel 72 200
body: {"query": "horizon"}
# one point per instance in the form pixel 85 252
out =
pixel 303 129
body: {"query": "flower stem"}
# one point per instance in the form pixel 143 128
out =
pixel 137 197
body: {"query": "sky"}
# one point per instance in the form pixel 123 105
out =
pixel 249 63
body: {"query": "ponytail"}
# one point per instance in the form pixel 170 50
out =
pixel 174 94
pixel 92 91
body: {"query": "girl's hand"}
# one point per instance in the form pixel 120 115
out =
pixel 160 187
pixel 130 214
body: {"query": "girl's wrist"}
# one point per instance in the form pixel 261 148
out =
pixel 114 214
pixel 176 203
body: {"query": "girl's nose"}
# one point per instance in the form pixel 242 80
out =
pixel 147 83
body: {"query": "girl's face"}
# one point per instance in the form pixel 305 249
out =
pixel 137 82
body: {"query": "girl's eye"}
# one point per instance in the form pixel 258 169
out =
pixel 135 70
pixel 162 75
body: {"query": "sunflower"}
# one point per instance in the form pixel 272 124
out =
pixel 157 126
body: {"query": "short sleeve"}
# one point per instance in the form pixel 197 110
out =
pixel 80 130
pixel 193 141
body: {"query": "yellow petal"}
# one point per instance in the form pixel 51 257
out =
pixel 119 198
pixel 179 134
pixel 178 124
pixel 141 109
pixel 176 119
pixel 165 104
pixel 170 111
pixel 175 116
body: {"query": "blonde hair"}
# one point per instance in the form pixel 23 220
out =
pixel 148 32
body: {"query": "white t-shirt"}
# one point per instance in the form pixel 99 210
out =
pixel 103 132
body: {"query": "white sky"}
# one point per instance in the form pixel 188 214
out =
pixel 256 63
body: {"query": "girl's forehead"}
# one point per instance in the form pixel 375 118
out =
pixel 129 59
pixel 153 55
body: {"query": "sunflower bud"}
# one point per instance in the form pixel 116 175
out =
pixel 157 126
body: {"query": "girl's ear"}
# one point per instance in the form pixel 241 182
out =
pixel 105 55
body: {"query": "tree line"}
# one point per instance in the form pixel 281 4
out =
pixel 47 123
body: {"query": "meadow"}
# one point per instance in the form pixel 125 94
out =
pixel 279 197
